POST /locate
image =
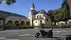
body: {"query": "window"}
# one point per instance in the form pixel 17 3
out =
pixel 40 21
pixel 16 22
pixel 10 22
pixel 39 16
pixel 43 15
pixel 47 19
pixel 28 23
pixel 22 22
pixel 35 21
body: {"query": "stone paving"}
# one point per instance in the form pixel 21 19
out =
pixel 28 34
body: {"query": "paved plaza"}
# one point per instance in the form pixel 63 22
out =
pixel 28 34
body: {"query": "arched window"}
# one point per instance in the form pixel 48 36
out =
pixel 28 23
pixel 35 21
pixel 47 19
pixel 22 23
pixel 17 22
pixel 38 16
pixel 41 21
pixel 10 22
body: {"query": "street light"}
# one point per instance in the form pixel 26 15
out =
pixel 3 24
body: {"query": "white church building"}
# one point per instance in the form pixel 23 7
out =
pixel 39 17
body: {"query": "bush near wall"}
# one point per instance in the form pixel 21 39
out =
pixel 67 26
pixel 25 27
pixel 43 27
pixel 10 26
pixel 40 26
pixel 69 23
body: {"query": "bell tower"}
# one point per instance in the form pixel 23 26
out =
pixel 33 7
pixel 32 14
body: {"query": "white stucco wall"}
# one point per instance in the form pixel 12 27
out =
pixel 37 22
pixel 40 15
pixel 69 22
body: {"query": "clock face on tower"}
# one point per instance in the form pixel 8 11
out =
pixel 32 8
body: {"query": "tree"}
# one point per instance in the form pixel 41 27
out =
pixel 55 15
pixel 50 13
pixel 65 10
pixel 8 2
pixel 61 14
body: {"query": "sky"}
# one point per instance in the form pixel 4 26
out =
pixel 22 7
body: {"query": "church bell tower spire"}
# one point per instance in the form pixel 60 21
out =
pixel 32 14
pixel 33 7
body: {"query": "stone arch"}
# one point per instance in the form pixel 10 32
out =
pixel 27 23
pixel 22 23
pixel 10 22
pixel 17 23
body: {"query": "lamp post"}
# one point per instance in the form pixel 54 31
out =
pixel 3 24
pixel 3 21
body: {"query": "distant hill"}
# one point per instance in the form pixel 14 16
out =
pixel 4 14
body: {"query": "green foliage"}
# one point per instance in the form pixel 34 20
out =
pixel 64 4
pixel 50 13
pixel 0 1
pixel 69 23
pixel 4 14
pixel 13 1
pixel 61 14
pixel 8 2
pixel 9 25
